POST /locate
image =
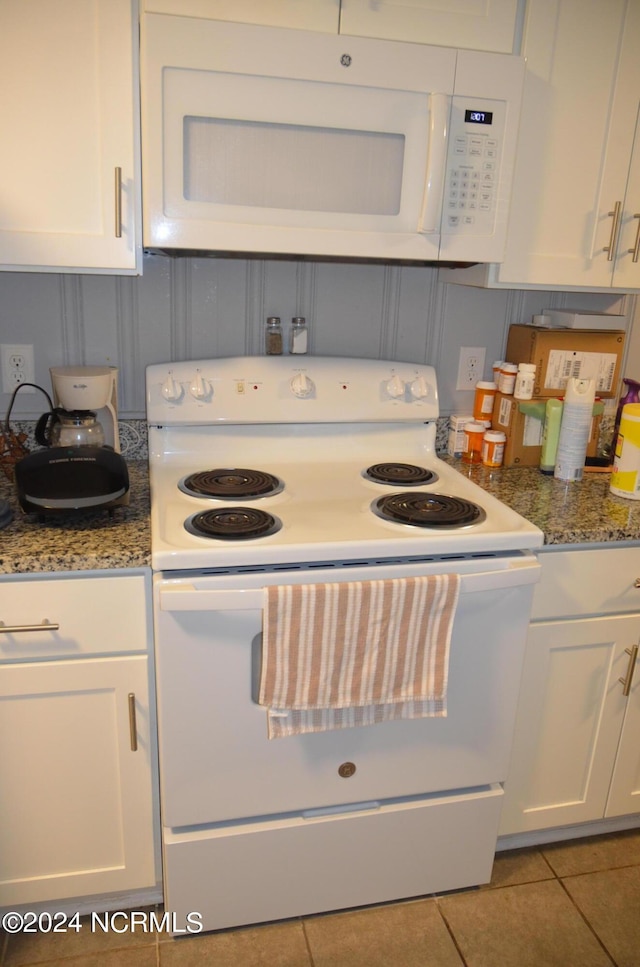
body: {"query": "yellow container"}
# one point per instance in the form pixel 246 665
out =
pixel 625 478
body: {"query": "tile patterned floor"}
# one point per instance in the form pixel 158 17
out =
pixel 571 904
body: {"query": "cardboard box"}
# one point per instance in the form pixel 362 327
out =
pixel 523 423
pixel 578 319
pixel 559 354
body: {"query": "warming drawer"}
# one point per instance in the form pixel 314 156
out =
pixel 300 865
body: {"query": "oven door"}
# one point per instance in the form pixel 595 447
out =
pixel 217 763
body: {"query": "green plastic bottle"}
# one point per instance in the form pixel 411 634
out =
pixel 550 435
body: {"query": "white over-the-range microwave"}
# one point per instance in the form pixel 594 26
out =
pixel 267 140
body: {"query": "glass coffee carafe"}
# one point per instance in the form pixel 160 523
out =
pixel 69 428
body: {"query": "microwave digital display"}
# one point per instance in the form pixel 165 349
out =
pixel 479 117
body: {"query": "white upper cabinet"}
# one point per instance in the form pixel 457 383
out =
pixel 302 14
pixel 487 25
pixel 575 211
pixel 490 25
pixel 69 182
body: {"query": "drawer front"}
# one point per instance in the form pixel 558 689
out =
pixel 584 582
pixel 294 866
pixel 73 617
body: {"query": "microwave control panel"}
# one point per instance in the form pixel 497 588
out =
pixel 472 177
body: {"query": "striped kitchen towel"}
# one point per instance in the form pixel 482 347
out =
pixel 356 653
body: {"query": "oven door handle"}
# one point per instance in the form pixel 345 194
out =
pixel 187 597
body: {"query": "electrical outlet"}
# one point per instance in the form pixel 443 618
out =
pixel 470 366
pixel 17 367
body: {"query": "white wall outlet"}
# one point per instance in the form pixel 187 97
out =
pixel 470 366
pixel 17 367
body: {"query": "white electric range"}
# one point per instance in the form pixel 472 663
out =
pixel 309 470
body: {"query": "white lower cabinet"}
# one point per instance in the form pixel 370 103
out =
pixel 78 811
pixel 576 753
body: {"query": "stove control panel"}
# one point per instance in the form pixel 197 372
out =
pixel 288 389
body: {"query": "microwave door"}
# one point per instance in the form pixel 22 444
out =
pixel 311 168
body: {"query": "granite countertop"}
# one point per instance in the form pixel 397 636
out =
pixel 86 541
pixel 577 513
pixel 567 513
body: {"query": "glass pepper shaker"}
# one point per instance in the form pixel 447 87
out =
pixel 273 337
pixel 298 335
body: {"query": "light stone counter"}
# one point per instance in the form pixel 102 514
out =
pixel 568 513
pixel 87 541
pixel 579 513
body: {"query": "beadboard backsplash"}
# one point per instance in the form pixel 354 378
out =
pixel 189 308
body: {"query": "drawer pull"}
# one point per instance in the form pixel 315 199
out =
pixel 46 625
pixel 636 583
pixel 631 667
pixel 133 728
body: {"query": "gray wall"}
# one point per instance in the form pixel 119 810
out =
pixel 200 307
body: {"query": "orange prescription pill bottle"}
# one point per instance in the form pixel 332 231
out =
pixel 493 445
pixel 473 433
pixel 483 400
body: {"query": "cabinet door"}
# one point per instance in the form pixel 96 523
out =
pixel 625 126
pixel 570 714
pixel 624 795
pixel 69 178
pixel 559 222
pixel 310 15
pixel 76 812
pixel 484 26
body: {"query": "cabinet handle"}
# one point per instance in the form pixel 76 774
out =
pixel 635 251
pixel 118 203
pixel 613 241
pixel 46 625
pixel 631 667
pixel 636 583
pixel 133 728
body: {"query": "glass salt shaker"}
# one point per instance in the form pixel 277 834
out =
pixel 298 335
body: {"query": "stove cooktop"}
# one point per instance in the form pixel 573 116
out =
pixel 327 513
pixel 308 472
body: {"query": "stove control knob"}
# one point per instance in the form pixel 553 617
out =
pixel 395 387
pixel 301 385
pixel 171 389
pixel 199 387
pixel 419 388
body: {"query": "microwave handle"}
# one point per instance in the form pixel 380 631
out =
pixel 429 222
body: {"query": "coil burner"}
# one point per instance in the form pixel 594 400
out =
pixel 231 484
pixel 400 474
pixel 428 510
pixel 233 524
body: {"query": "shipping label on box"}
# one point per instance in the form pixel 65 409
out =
pixel 564 365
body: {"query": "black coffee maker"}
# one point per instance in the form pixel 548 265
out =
pixel 76 469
